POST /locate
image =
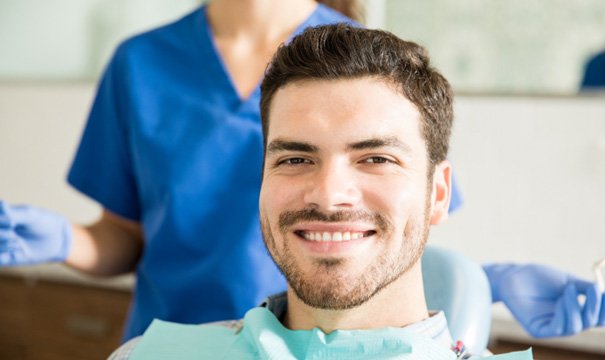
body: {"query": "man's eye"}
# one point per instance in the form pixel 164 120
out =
pixel 377 160
pixel 293 161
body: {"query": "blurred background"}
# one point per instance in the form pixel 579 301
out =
pixel 495 47
pixel 528 147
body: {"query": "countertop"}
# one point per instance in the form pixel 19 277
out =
pixel 61 273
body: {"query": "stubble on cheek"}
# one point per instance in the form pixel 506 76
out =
pixel 329 283
pixel 268 236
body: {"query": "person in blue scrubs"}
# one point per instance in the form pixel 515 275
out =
pixel 172 151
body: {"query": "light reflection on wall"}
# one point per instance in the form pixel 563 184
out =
pixel 497 46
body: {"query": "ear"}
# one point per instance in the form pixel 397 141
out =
pixel 441 192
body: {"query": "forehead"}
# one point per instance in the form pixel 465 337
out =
pixel 343 110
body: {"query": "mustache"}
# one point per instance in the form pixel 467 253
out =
pixel 289 218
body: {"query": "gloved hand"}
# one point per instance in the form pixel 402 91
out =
pixel 545 300
pixel 30 235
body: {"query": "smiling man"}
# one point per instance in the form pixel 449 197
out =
pixel 356 128
pixel 348 195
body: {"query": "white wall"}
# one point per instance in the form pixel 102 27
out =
pixel 514 46
pixel 40 127
pixel 73 39
pixel 532 173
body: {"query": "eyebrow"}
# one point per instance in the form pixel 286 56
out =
pixel 374 143
pixel 285 145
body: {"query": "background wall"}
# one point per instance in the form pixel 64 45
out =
pixel 504 46
pixel 498 46
pixel 73 39
pixel 40 127
pixel 532 175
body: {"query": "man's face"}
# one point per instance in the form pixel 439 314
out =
pixel 345 203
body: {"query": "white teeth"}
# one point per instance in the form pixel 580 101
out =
pixel 334 236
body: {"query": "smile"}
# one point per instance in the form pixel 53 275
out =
pixel 334 235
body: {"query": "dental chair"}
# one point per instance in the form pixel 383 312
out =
pixel 458 286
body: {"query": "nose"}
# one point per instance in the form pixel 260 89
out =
pixel 333 187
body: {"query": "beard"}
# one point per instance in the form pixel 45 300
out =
pixel 326 285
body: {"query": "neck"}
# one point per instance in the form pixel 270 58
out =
pixel 264 20
pixel 399 304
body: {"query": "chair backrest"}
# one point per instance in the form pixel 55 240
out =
pixel 458 286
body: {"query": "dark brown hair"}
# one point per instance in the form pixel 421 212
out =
pixel 341 51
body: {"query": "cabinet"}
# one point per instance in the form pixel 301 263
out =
pixel 47 320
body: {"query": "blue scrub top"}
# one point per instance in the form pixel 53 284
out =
pixel 170 144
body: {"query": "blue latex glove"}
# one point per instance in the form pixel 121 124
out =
pixel 545 300
pixel 30 235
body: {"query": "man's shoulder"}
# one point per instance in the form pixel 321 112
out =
pixel 124 351
pixel 215 334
